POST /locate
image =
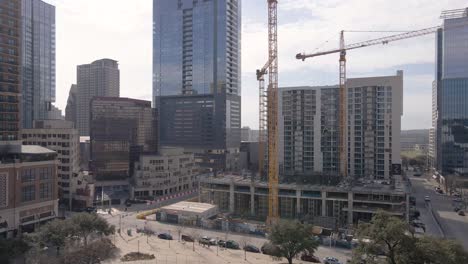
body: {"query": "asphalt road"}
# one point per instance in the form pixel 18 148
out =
pixel 438 214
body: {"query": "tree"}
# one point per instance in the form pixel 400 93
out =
pixel 389 237
pixel 292 238
pixel 385 233
pixel 85 225
pixel 54 233
pixel 12 248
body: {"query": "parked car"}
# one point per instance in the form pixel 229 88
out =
pixel 208 241
pixel 417 174
pixel 310 258
pixel 269 249
pixel 427 198
pixel 251 248
pixel 221 243
pixel 232 244
pixel 461 212
pixel 331 260
pixel 187 238
pixel 165 236
pixel 456 209
pixel 456 194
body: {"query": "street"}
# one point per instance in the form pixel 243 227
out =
pixel 438 214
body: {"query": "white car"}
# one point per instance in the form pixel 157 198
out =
pixel 331 260
pixel 427 198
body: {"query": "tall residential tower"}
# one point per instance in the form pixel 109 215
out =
pixel 100 78
pixel 196 77
pixel 38 62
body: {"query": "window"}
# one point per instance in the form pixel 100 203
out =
pixel 45 190
pixel 27 175
pixel 28 193
pixel 45 173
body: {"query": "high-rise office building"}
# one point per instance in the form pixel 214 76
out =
pixel 70 109
pixel 309 130
pixel 450 116
pixel 121 129
pixel 100 78
pixel 196 77
pixel 38 62
pixel 10 61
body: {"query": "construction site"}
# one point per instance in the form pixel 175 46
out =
pixel 327 155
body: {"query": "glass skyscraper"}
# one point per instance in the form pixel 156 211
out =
pixel 196 76
pixel 38 57
pixel 451 94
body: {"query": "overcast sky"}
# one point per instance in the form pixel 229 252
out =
pixel 88 30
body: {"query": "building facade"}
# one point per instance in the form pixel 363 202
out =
pixel 28 188
pixel 121 129
pixel 196 72
pixel 71 108
pixel 10 61
pixel 328 206
pixel 38 61
pixel 450 117
pixel 172 171
pixel 100 78
pixel 63 138
pixel 309 130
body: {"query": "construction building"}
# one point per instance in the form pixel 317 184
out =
pixel 28 187
pixel 171 171
pixel 309 129
pixel 337 206
pixel 187 213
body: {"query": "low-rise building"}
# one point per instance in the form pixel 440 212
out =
pixel 189 213
pixel 28 187
pixel 169 172
pixel 337 206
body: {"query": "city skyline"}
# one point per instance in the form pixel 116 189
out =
pixel 303 25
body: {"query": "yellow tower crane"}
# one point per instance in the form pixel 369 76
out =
pixel 268 114
pixel 342 150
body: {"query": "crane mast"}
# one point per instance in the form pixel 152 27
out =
pixel 343 165
pixel 272 93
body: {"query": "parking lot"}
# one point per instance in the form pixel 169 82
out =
pixel 180 252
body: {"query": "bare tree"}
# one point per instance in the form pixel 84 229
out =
pixel 180 229
pixel 244 241
pixel 195 236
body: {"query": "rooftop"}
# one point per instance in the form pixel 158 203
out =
pixel 190 207
pixel 397 186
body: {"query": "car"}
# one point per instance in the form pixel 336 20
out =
pixel 187 238
pixel 461 212
pixel 208 240
pixel 251 248
pixel 458 200
pixel 221 243
pixel 456 194
pixel 331 260
pixel 232 244
pixel 310 258
pixel 417 174
pixel 456 209
pixel 165 236
pixel 427 198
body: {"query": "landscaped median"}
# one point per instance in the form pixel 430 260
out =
pixel 144 214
